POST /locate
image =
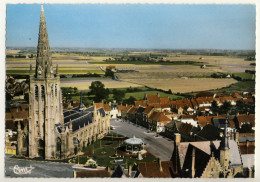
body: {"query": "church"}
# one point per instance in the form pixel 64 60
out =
pixel 51 132
pixel 208 159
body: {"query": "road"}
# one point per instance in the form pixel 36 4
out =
pixel 40 169
pixel 158 146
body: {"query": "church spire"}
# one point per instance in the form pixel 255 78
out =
pixel 81 105
pixel 43 61
pixel 224 144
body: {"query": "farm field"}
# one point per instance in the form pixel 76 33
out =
pixel 183 85
pixel 109 83
pixel 179 78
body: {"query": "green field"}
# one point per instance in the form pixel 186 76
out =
pixel 142 91
pixel 140 95
pixel 244 76
pixel 241 86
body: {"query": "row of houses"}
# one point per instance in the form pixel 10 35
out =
pixel 156 113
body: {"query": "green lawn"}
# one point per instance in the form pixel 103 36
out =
pixel 99 144
pixel 105 150
pixel 106 159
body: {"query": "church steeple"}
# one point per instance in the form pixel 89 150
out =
pixel 81 105
pixel 44 67
pixel 224 145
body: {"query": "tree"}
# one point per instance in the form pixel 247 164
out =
pixel 241 107
pixel 98 90
pixel 109 73
pixel 214 107
pixel 225 108
pixel 118 95
pixel 130 101
pixel 68 92
pixel 246 128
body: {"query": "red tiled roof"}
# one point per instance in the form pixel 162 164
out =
pixel 244 118
pixel 132 110
pixel 165 105
pixel 24 106
pixel 246 134
pixel 186 128
pixel 110 67
pixel 166 112
pixel 14 109
pixel 9 124
pixel 183 103
pixel 184 116
pixel 204 120
pixel 106 107
pixel 152 169
pixel 226 98
pixel 164 100
pixel 123 108
pixel 8 116
pixel 159 117
pixel 148 109
pixel 248 100
pixel 194 102
pixel 153 99
pixel 20 115
pixel 204 94
pixel 98 105
pixel 140 103
pixel 155 105
pixel 247 148
pixel 236 95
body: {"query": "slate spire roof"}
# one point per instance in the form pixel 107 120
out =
pixel 224 144
pixel 44 67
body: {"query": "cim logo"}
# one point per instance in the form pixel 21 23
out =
pixel 22 170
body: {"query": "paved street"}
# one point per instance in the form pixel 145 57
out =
pixel 158 146
pixel 40 169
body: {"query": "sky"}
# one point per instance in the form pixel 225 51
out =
pixel 134 26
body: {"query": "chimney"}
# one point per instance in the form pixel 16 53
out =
pixel 129 170
pixel 177 138
pixel 193 163
pixel 236 136
pixel 109 170
pixel 75 173
pixel 160 165
pixel 249 172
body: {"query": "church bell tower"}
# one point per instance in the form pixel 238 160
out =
pixel 45 101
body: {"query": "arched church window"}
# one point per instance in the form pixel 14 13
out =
pixel 36 92
pixel 52 90
pixel 56 90
pixel 42 92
